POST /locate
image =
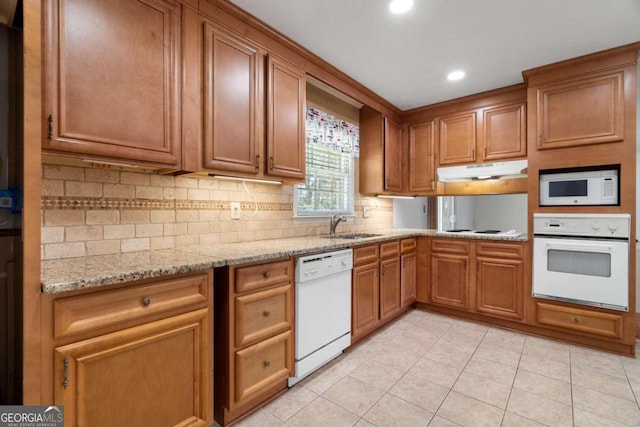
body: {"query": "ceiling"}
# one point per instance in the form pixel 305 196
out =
pixel 405 58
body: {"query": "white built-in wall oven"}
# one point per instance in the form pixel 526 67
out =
pixel 582 259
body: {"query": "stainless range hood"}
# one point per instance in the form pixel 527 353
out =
pixel 512 169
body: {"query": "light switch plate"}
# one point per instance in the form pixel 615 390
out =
pixel 235 210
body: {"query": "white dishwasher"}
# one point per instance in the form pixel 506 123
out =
pixel 323 310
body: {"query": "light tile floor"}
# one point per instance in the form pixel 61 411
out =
pixel 427 369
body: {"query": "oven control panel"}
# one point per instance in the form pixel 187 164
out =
pixel 588 225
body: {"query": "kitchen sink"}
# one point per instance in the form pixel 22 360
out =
pixel 353 236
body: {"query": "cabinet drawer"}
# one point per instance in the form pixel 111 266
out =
pixel 575 319
pixel 389 249
pixel 262 365
pixel 365 254
pixel 453 246
pixel 407 245
pixel 500 250
pixel 106 310
pixel 260 276
pixel 262 314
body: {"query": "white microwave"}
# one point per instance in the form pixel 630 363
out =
pixel 592 188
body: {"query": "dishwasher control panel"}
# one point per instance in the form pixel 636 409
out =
pixel 311 267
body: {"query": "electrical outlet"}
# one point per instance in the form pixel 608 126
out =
pixel 235 210
pixel 365 212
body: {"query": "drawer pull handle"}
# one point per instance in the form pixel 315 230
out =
pixel 266 363
pixel 576 319
pixel 266 313
pixel 146 302
pixel 266 274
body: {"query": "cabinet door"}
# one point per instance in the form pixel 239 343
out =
pixel 389 287
pixel 233 102
pixel 155 374
pixel 286 98
pixel 392 155
pixel 504 132
pixel 365 299
pixel 423 269
pixel 588 110
pixel 112 80
pixel 450 280
pixel 457 137
pixel 422 170
pixel 499 287
pixel 408 279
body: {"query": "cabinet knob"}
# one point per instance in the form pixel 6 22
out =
pixel 266 313
pixel 266 274
pixel 146 302
pixel 266 363
pixel 576 319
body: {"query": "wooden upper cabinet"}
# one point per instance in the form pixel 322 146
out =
pixel 504 134
pixel 580 111
pixel 380 153
pixel 392 155
pixel 286 98
pixel 112 80
pixel 457 137
pixel 422 168
pixel 233 102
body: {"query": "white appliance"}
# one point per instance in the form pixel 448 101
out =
pixel 323 310
pixel 594 187
pixel 582 258
pixel 511 169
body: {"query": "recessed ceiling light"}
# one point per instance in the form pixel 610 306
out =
pixel 400 6
pixel 455 75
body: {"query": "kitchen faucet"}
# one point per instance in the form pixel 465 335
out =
pixel 335 220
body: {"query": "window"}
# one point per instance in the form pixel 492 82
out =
pixel 446 213
pixel 332 145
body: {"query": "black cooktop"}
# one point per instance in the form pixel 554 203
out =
pixel 463 230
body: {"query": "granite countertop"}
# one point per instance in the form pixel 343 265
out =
pixel 101 270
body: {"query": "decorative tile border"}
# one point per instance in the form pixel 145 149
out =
pixel 100 203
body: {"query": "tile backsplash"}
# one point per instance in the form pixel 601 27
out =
pixel 95 211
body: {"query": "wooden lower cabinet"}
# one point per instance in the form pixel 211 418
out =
pixel 154 374
pixel 485 277
pixel 408 279
pixel 389 287
pixel 450 272
pixel 137 354
pixel 260 366
pixel 408 271
pixel 255 318
pixel 450 280
pixel 500 279
pixel 580 320
pixel 365 299
pixel 376 287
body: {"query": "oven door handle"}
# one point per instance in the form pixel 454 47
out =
pixel 580 247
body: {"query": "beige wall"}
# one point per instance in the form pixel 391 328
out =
pixel 90 211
